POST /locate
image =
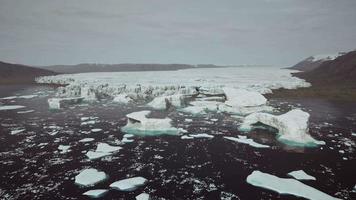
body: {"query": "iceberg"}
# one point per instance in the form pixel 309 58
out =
pixel 139 124
pixel 301 175
pixel 286 186
pixel 58 103
pixel 245 140
pixel 292 126
pixel 164 102
pixel 11 107
pixel 243 98
pixel 129 184
pixel 90 177
pixel 97 193
pixel 143 196
pixel 123 99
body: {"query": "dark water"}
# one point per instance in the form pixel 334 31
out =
pixel 175 168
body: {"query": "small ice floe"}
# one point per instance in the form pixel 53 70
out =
pixel 286 186
pixel 19 97
pixel 9 98
pixel 102 150
pixel 58 103
pixel 292 126
pixel 245 140
pixel 97 193
pixel 26 111
pixel 188 120
pixel 353 134
pixel 90 177
pixel 96 130
pixel 143 196
pixel 127 140
pixel 129 184
pixel 64 148
pixel 164 102
pixel 201 107
pixel 86 140
pixel 123 99
pixel 186 137
pixel 93 155
pixel 301 175
pixel 14 132
pixel 11 107
pixel 201 135
pixel 139 124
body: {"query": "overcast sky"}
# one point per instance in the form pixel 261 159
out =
pixel 272 32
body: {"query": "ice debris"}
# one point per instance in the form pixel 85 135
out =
pixel 97 193
pixel 245 140
pixel 143 196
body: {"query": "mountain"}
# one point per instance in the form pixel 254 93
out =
pixel 15 73
pixel 340 71
pixel 314 62
pixel 87 67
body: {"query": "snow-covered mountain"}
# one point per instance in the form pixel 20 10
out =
pixel 315 61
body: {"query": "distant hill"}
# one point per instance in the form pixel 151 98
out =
pixel 314 62
pixel 87 67
pixel 15 73
pixel 340 71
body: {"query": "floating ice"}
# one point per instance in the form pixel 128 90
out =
pixel 186 137
pixel 122 98
pixel 164 102
pixel 127 140
pixel 129 184
pixel 19 97
pixel 26 111
pixel 243 98
pixel 301 175
pixel 95 193
pixel 90 177
pixel 11 107
pixel 64 148
pixel 292 126
pixel 58 103
pixel 103 147
pixel 87 140
pixel 139 124
pixel 245 140
pixel 201 135
pixel 96 130
pixel 143 196
pixel 14 132
pixel 286 186
pixel 93 155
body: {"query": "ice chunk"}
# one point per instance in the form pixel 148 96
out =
pixel 129 184
pixel 292 126
pixel 90 177
pixel 87 140
pixel 11 107
pixel 186 137
pixel 123 99
pixel 139 124
pixel 245 140
pixel 201 135
pixel 26 111
pixel 286 186
pixel 93 155
pixel 14 132
pixel 126 140
pixel 64 148
pixel 103 147
pixel 243 98
pixel 58 103
pixel 143 196
pixel 164 102
pixel 301 175
pixel 95 193
pixel 96 130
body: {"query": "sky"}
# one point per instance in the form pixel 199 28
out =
pixel 227 32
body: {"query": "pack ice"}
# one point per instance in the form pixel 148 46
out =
pixel 286 186
pixel 139 124
pixel 292 126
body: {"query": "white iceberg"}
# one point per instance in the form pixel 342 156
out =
pixel 286 186
pixel 129 184
pixel 245 140
pixel 164 102
pixel 97 193
pixel 243 98
pixel 90 177
pixel 292 126
pixel 58 103
pixel 11 107
pixel 143 196
pixel 123 99
pixel 139 124
pixel 301 175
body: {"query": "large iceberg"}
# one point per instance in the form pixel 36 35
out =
pixel 139 124
pixel 90 177
pixel 286 186
pixel 129 184
pixel 292 126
